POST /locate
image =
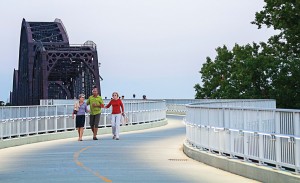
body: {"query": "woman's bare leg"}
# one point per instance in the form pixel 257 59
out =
pixel 78 129
pixel 81 133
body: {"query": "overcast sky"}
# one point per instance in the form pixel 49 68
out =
pixel 151 47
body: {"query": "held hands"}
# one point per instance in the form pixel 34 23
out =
pixel 96 105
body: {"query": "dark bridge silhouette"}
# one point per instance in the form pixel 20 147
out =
pixel 49 67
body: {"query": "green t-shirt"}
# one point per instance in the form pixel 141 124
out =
pixel 98 100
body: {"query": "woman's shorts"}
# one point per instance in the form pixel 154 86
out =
pixel 80 120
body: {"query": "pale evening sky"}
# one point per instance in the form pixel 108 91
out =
pixel 151 47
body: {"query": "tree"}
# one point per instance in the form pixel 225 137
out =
pixel 266 70
pixel 240 73
pixel 284 16
pixel 2 103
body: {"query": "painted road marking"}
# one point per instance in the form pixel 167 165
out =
pixel 97 174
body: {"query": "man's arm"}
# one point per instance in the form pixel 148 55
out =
pixel 101 102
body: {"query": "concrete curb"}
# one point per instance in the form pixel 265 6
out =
pixel 245 169
pixel 70 134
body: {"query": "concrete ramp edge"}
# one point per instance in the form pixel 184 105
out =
pixel 245 169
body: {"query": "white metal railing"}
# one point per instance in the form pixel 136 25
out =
pixel 179 105
pixel 29 120
pixel 70 101
pixel 263 135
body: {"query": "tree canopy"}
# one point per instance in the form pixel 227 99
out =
pixel 262 70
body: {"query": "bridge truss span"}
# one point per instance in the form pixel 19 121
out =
pixel 50 67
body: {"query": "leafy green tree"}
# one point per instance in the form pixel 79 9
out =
pixel 266 70
pixel 239 73
pixel 284 16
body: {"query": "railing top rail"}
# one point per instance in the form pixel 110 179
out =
pixel 231 101
pixel 243 108
pixel 14 112
pixel 71 102
pixel 248 103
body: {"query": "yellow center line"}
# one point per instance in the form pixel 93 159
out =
pixel 97 174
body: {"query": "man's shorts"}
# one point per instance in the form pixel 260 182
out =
pixel 94 120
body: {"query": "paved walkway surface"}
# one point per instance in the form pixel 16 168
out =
pixel 153 155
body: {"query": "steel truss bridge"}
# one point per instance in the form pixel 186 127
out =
pixel 51 68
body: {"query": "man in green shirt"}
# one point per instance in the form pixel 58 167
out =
pixel 95 101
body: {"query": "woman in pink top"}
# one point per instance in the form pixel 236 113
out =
pixel 117 111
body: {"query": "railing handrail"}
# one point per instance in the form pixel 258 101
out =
pixel 257 132
pixel 8 112
pixel 32 120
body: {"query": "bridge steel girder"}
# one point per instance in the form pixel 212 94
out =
pixel 51 68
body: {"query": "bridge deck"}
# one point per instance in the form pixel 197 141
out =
pixel 153 155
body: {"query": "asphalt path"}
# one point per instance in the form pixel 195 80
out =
pixel 153 155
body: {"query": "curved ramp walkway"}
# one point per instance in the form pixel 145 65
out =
pixel 153 155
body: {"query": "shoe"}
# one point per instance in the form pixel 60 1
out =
pixel 80 140
pixel 95 138
pixel 117 139
pixel 114 137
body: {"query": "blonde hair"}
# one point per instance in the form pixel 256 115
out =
pixel 116 93
pixel 81 95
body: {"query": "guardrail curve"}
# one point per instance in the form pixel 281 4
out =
pixel 20 121
pixel 254 131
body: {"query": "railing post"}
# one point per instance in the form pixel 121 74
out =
pixel 219 141
pixel 231 144
pixel 296 119
pixel 55 119
pixel 1 129
pixel 223 117
pixel 10 123
pixel 246 137
pixel 19 112
pixel 36 125
pixel 278 151
pixel 64 116
pixel 2 109
pixel 260 148
pixel 131 113
pixel 244 120
pixel 297 141
pixel 277 122
pixel 27 126
pixel 297 156
pixel 19 127
pixel 105 118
